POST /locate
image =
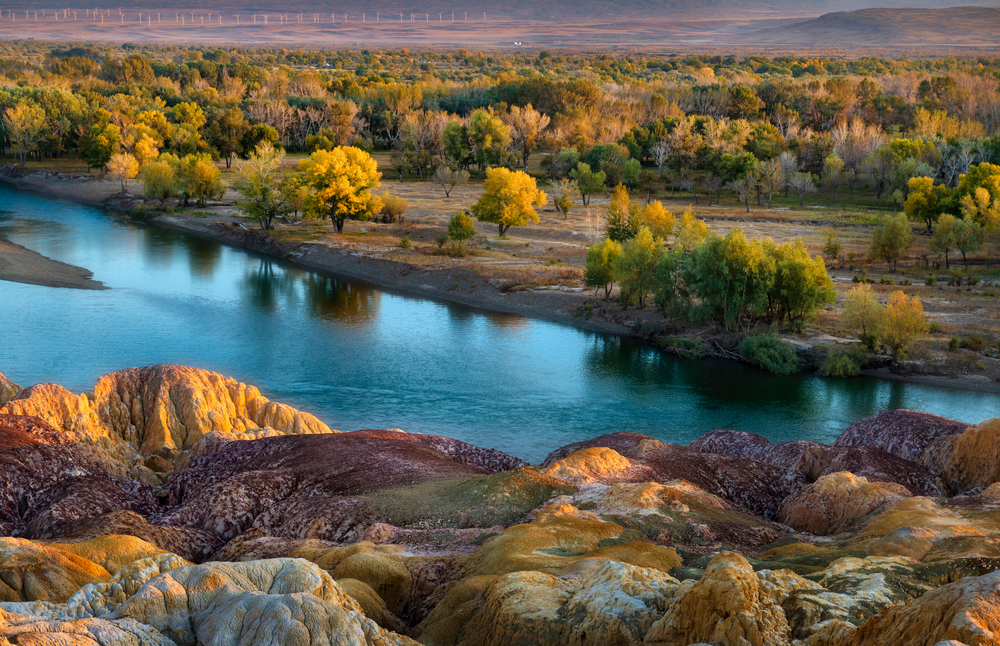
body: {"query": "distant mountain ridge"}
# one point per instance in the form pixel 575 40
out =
pixel 564 10
pixel 970 25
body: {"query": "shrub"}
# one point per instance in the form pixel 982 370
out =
pixel 393 208
pixel 770 353
pixel 904 321
pixel 404 242
pixel 441 240
pixel 934 328
pixel 930 280
pixel 461 227
pixel 842 363
pixel 974 342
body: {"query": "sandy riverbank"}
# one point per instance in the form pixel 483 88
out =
pixel 21 265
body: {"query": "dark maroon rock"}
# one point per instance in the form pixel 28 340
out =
pixel 904 433
pixel 492 460
pixel 814 460
pixel 83 497
pixel 191 543
pixel 33 458
pixel 303 480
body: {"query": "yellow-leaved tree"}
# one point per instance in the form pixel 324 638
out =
pixel 509 199
pixel 123 167
pixel 340 181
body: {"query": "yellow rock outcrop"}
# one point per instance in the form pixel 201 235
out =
pixel 160 410
pixel 967 611
pixel 730 605
pixel 34 572
pixel 596 464
pixel 974 460
pixel 557 538
pixel 837 501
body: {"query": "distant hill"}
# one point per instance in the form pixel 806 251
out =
pixel 953 26
pixel 555 11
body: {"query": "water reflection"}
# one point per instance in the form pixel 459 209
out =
pixel 272 287
pixel 359 357
pixel 203 256
pixel 340 301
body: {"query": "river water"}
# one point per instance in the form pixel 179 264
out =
pixel 362 357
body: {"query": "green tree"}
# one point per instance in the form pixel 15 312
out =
pixel 801 283
pixel 892 237
pixel 226 133
pixel 635 269
pixel 733 278
pixel 258 184
pixel 461 227
pixel 969 237
pixel 671 294
pixel 99 144
pixel 924 201
pixel 341 181
pixel 599 269
pixel 832 247
pixel 198 178
pixel 587 181
pixel 625 216
pixel 509 199
pixel 943 240
pixel 490 138
pixel 257 135
pixel 158 181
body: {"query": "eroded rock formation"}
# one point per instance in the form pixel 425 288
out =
pixel 173 506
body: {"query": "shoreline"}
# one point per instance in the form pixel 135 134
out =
pixel 457 286
pixel 18 264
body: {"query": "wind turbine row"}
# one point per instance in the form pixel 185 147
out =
pixel 195 18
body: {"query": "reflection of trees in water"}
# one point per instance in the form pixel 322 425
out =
pixel 270 287
pixel 203 256
pixel 334 299
pixel 264 286
pixel 613 357
pixel 159 244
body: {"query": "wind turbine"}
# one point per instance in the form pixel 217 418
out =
pixel 237 18
pixel 265 18
pixel 376 16
pixel 363 18
pixel 466 16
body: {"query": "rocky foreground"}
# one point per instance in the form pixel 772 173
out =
pixel 173 506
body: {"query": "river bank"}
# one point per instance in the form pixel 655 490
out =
pixel 21 265
pixel 379 262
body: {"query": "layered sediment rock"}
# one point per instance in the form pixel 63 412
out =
pixel 174 506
